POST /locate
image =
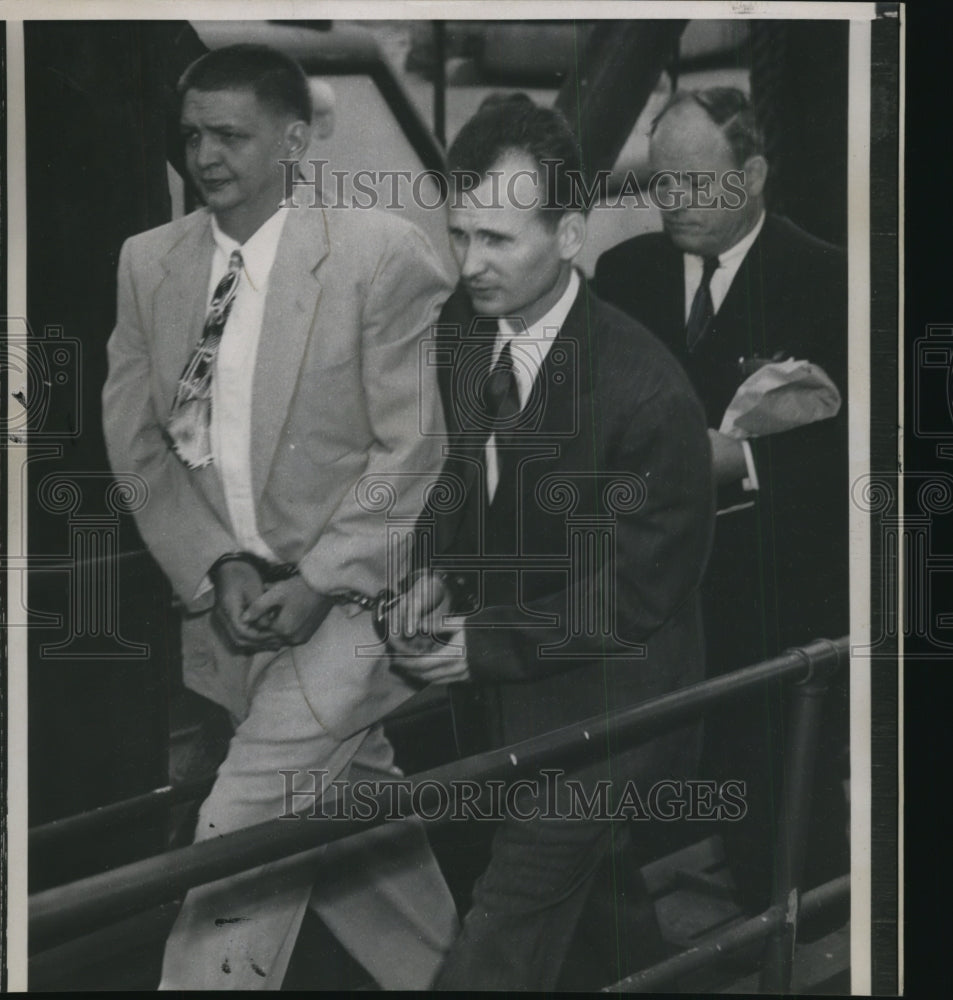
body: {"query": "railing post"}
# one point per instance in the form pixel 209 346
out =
pixel 801 750
pixel 440 81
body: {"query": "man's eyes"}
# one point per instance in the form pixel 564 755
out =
pixel 225 135
pixel 489 239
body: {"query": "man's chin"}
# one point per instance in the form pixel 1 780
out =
pixel 487 303
pixel 688 240
pixel 219 198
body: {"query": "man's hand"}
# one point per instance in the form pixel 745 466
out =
pixel 727 458
pixel 289 610
pixel 417 616
pixel 425 643
pixel 434 662
pixel 237 586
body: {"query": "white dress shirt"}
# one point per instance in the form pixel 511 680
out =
pixel 721 279
pixel 234 374
pixel 530 345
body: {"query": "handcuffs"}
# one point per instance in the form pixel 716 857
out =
pixel 380 605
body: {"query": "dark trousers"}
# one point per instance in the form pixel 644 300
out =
pixel 526 905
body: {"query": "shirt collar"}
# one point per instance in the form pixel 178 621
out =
pixel 736 254
pixel 551 323
pixel 258 251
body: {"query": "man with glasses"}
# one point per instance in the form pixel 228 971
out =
pixel 730 287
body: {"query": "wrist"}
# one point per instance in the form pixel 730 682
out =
pixel 268 571
pixel 225 560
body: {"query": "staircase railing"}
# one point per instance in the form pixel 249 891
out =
pixel 60 914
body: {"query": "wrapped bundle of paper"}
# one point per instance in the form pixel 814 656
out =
pixel 779 396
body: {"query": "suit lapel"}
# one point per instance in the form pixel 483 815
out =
pixel 671 299
pixel 740 320
pixel 180 302
pixel 656 292
pixel 179 307
pixel 294 292
pixel 562 381
pixel 472 355
pixel 559 396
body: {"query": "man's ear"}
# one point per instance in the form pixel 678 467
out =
pixel 297 136
pixel 571 234
pixel 756 175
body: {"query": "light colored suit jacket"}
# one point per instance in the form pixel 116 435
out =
pixel 341 401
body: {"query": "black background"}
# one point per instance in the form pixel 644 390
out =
pixel 928 300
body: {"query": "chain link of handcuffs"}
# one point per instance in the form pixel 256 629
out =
pixel 379 605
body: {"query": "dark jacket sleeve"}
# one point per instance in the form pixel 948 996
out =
pixel 804 496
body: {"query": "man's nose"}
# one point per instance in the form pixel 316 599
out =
pixel 206 151
pixel 472 262
pixel 674 197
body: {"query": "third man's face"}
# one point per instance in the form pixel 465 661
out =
pixel 706 217
pixel 510 257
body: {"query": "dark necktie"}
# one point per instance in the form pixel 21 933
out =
pixel 703 310
pixel 501 398
pixel 502 404
pixel 191 417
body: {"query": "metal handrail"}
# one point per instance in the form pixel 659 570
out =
pixel 56 914
pixel 102 819
pixel 732 939
pixel 50 835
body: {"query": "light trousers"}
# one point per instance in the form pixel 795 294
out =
pixel 380 892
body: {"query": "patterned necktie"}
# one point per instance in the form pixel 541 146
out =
pixel 190 421
pixel 702 310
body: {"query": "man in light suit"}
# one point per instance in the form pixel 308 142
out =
pixel 778 574
pixel 263 373
pixel 567 421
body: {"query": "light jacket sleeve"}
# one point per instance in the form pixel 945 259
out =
pixel 404 412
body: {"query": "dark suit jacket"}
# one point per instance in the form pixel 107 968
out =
pixel 778 572
pixel 614 432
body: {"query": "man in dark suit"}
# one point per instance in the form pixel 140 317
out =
pixel 577 492
pixel 728 286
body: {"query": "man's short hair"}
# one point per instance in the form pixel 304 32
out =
pixel 731 111
pixel 508 124
pixel 275 79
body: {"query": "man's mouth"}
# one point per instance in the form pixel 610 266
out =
pixel 215 183
pixel 681 225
